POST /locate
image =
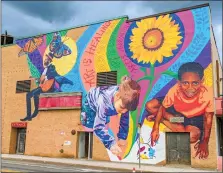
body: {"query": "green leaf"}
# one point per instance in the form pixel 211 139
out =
pixel 143 69
pixel 170 73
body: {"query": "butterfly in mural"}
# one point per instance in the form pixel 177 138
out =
pixel 31 45
pixel 146 151
pixel 58 48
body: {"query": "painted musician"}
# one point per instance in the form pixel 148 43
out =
pixel 46 84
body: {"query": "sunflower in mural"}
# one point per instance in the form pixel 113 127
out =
pixel 154 39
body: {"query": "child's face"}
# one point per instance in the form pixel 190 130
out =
pixel 190 84
pixel 119 107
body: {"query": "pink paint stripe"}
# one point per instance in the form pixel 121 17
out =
pixel 188 22
pixel 120 43
pixel 42 47
pixel 135 74
pixel 65 101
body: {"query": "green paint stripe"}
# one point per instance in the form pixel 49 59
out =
pixel 49 37
pixel 33 70
pixel 63 33
pixel 114 60
pixel 134 118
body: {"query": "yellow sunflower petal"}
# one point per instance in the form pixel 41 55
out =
pixel 167 53
pixel 164 21
pixel 145 51
pixel 159 56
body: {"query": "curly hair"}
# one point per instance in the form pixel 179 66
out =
pixel 191 67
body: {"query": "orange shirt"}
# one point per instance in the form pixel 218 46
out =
pixel 196 106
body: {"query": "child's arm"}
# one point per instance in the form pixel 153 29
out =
pixel 99 125
pixel 203 146
pixel 155 130
pixel 123 126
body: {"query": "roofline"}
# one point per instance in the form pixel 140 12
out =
pixel 170 12
pixel 6 45
pixel 6 35
pixel 212 30
pixel 93 23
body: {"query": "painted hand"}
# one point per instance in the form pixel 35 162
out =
pixel 123 145
pixel 122 142
pixel 151 118
pixel 202 150
pixel 115 149
pixel 154 136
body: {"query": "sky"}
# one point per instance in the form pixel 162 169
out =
pixel 29 18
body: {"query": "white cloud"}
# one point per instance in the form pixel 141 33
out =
pixel 19 24
pixel 136 9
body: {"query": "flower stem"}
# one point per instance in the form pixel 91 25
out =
pixel 151 78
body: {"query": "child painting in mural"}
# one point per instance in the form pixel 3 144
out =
pixel 188 98
pixel 50 81
pixel 102 102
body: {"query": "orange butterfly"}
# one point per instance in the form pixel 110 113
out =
pixel 31 45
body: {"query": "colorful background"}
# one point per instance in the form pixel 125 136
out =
pixel 149 50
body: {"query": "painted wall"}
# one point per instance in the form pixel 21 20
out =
pixel 150 51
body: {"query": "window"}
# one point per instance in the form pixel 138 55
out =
pixel 107 78
pixel 23 86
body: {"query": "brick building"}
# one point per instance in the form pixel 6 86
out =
pixel 149 49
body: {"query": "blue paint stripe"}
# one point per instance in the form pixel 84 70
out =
pixel 199 41
pixel 74 74
pixel 110 132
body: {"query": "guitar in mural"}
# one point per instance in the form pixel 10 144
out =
pixel 50 81
pixel 45 85
pixel 31 45
pixel 57 46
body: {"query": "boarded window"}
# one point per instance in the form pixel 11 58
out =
pixel 107 78
pixel 23 86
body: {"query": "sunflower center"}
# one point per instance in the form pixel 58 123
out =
pixel 153 39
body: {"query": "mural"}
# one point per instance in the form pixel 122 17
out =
pixel 166 63
pixel 50 80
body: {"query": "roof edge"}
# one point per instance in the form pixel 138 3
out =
pixel 215 42
pixel 170 12
pixel 78 26
pixel 7 45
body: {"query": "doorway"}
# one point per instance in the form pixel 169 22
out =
pixel 85 145
pixel 178 148
pixel 220 134
pixel 21 141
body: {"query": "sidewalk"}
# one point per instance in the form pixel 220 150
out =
pixel 127 167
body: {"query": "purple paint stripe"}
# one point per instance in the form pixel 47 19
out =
pixel 37 60
pixel 21 43
pixel 204 58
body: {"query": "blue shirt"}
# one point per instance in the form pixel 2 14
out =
pixel 101 101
